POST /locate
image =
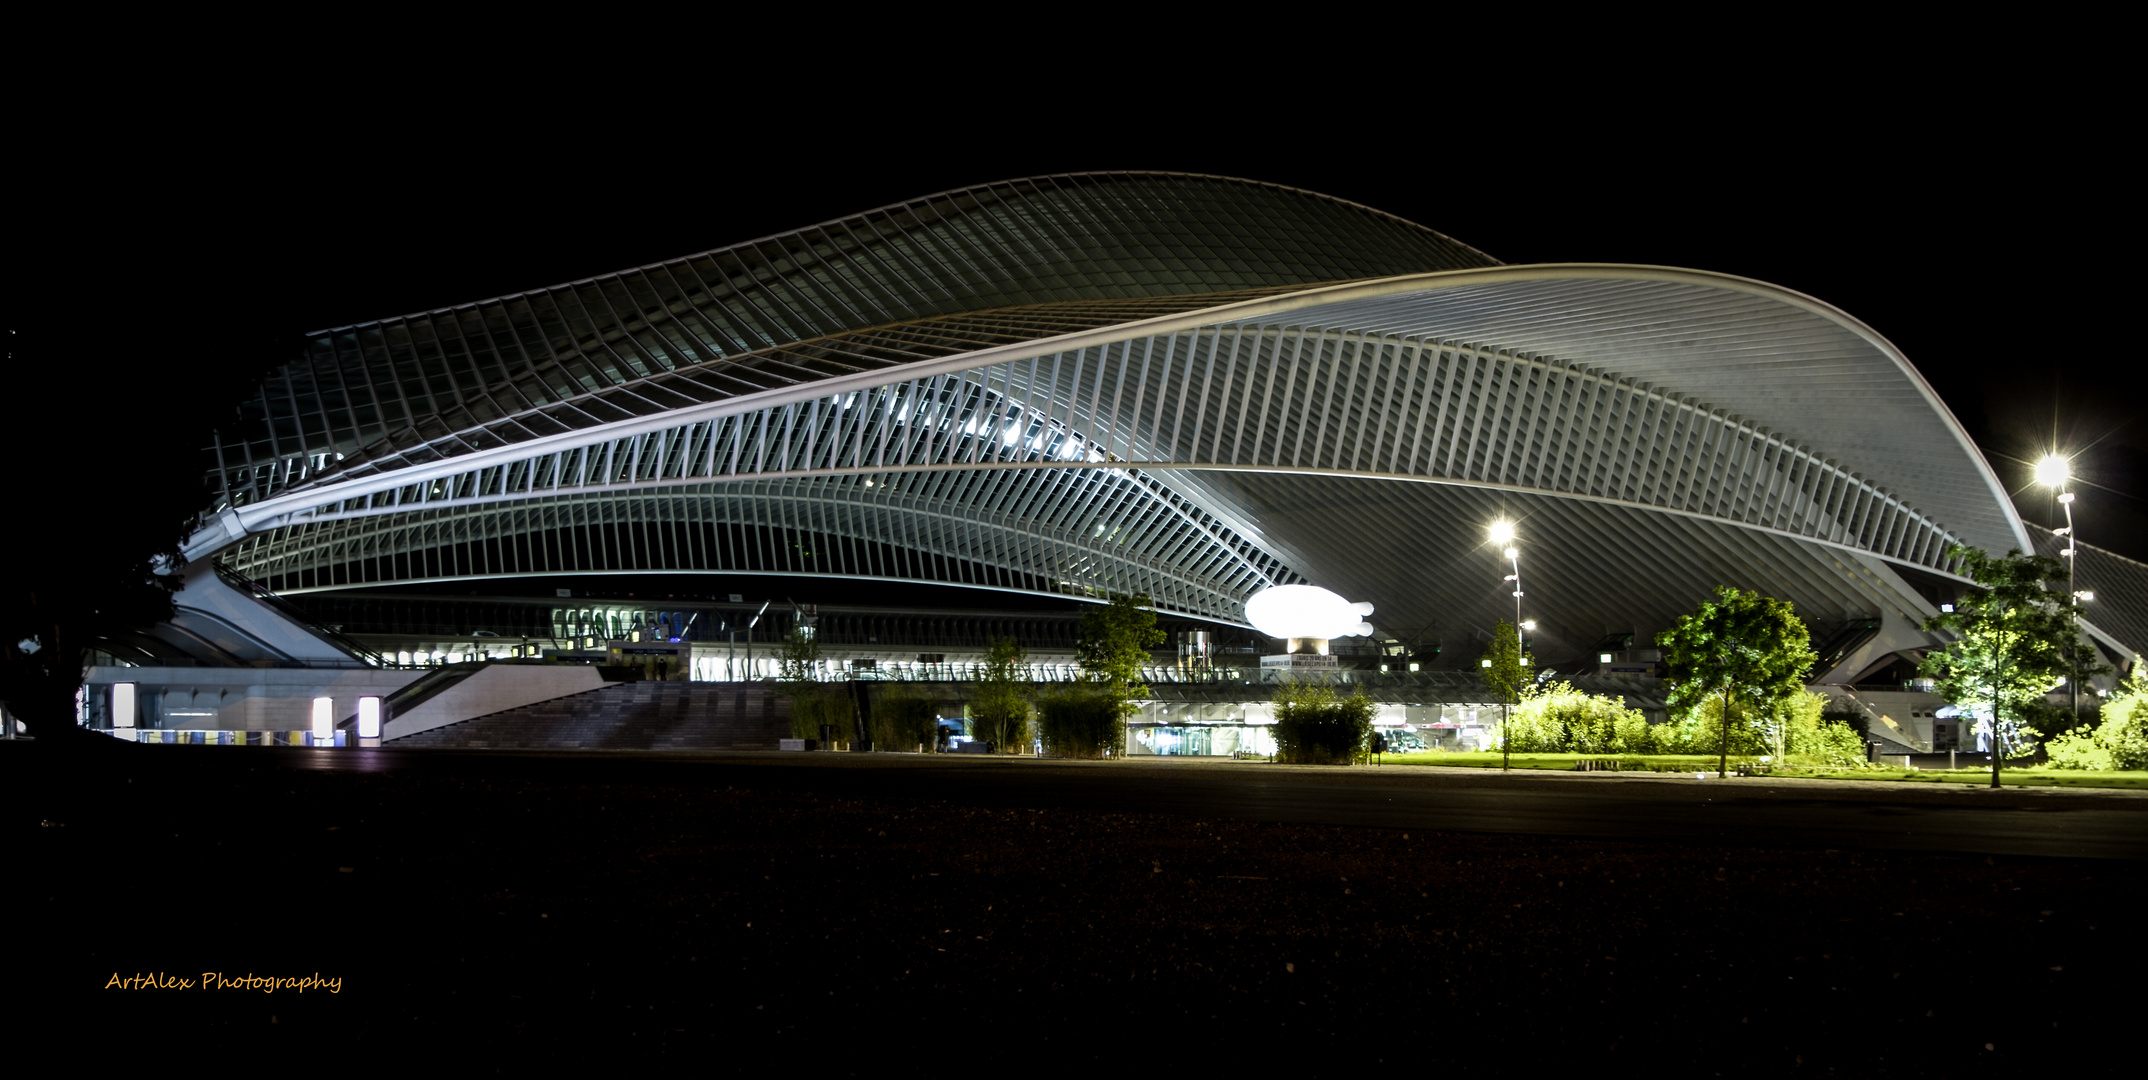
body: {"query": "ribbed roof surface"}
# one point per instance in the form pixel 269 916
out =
pixel 1182 385
pixel 1044 240
pixel 1821 381
pixel 2120 585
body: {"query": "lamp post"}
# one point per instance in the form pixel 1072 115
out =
pixel 2055 471
pixel 750 624
pixel 1502 532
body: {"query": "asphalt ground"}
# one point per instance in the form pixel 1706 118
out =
pixel 861 914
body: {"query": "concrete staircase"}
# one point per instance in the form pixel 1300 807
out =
pixel 626 716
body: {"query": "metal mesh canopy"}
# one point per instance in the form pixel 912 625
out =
pixel 713 319
pixel 1188 386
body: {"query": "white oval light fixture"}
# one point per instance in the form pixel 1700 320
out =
pixel 1306 611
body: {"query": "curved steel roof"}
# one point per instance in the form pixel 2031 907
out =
pixel 1158 414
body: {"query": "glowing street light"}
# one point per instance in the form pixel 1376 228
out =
pixel 1502 533
pixel 2053 471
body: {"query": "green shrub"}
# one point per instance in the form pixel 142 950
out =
pixel 2124 730
pixel 1314 727
pixel 1699 730
pixel 1081 720
pixel 2078 750
pixel 1559 719
pixel 1799 726
pixel 2120 741
pixel 1834 745
pixel 814 704
pixel 1641 737
pixel 903 718
pixel 2049 721
pixel 1843 714
pixel 1813 735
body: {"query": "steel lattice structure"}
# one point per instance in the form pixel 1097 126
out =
pixel 1188 386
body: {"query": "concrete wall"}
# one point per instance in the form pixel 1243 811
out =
pixel 258 626
pixel 281 699
pixel 240 699
pixel 492 689
pixel 1897 715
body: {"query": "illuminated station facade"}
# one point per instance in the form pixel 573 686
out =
pixel 1046 391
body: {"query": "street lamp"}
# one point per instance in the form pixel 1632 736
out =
pixel 2054 471
pixel 732 661
pixel 1502 532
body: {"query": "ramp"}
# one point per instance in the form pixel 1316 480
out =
pixel 626 716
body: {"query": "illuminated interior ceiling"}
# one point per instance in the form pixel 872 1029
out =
pixel 1189 386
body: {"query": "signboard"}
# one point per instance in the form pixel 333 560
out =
pixel 1301 662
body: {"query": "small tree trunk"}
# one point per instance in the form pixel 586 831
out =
pixel 1997 680
pixel 1722 764
pixel 1995 751
pixel 1506 737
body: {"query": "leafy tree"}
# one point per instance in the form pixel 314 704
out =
pixel 1737 647
pixel 999 702
pixel 51 621
pixel 798 663
pixel 73 583
pixel 2047 721
pixel 1315 727
pixel 2014 642
pixel 1114 644
pixel 814 704
pixel 1507 674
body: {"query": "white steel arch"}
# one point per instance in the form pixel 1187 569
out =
pixel 1188 386
pixel 1339 381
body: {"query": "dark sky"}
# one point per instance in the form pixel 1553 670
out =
pixel 1972 230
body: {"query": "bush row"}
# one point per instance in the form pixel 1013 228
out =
pixel 1558 719
pixel 1314 727
pixel 2119 741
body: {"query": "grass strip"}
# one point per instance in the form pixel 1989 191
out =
pixel 1566 762
pixel 2135 780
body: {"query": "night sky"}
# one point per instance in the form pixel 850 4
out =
pixel 1973 232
